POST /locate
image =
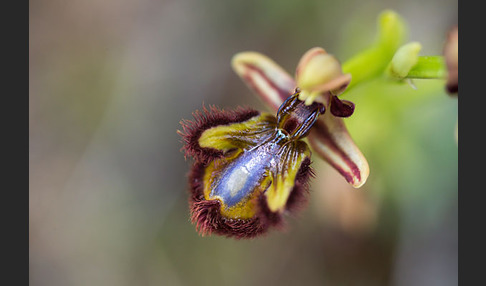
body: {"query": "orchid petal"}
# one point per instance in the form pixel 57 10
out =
pixel 320 73
pixel 266 78
pixel 330 139
pixel 321 93
pixel 341 108
pixel 315 68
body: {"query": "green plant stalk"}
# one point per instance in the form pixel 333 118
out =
pixel 367 65
pixel 429 67
pixel 392 32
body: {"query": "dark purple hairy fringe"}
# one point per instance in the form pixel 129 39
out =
pixel 205 119
pixel 205 214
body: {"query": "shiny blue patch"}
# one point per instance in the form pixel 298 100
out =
pixel 242 176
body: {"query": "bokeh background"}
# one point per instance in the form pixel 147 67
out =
pixel 109 82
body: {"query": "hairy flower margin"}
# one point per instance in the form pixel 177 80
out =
pixel 250 167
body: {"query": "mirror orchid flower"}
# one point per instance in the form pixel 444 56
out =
pixel 252 167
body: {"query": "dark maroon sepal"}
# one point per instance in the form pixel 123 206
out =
pixel 341 108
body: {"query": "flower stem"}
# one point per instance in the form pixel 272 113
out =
pixel 392 32
pixel 429 67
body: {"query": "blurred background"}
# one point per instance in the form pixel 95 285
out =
pixel 110 81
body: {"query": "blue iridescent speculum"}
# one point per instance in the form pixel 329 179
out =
pixel 249 167
pixel 246 173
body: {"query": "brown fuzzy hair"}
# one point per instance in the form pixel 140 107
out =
pixel 205 119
